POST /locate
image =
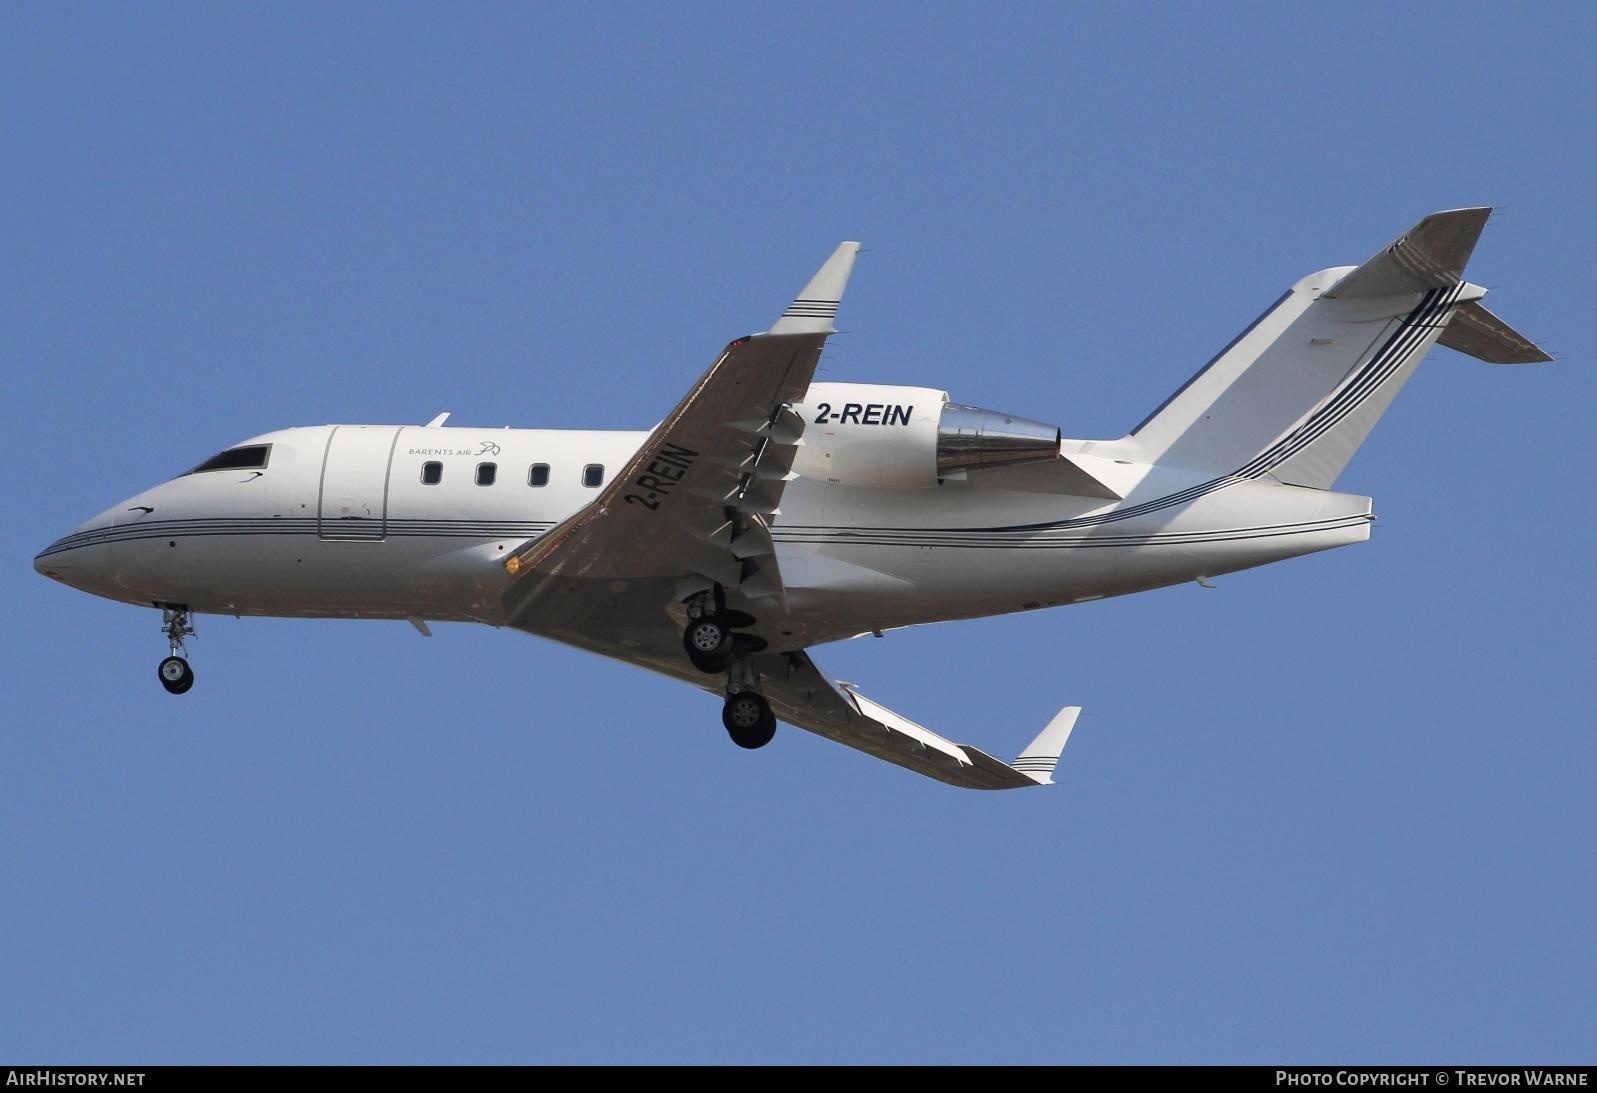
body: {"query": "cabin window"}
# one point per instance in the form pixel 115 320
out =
pixel 486 473
pixel 539 475
pixel 432 474
pixel 251 457
pixel 592 475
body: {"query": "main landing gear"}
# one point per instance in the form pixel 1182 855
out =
pixel 748 719
pixel 708 636
pixel 746 715
pixel 714 648
pixel 174 672
pixel 708 641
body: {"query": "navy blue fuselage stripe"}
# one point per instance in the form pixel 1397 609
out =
pixel 1371 377
pixel 1163 538
pixel 904 539
pixel 1190 538
pixel 487 529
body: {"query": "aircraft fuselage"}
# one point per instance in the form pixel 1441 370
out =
pixel 383 521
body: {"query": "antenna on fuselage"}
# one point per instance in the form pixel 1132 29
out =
pixel 437 421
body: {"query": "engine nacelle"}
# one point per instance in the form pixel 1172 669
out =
pixel 863 434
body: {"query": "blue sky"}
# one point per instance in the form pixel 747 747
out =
pixel 1335 810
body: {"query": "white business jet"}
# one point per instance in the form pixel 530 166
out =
pixel 769 513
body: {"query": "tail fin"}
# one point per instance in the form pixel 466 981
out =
pixel 1297 392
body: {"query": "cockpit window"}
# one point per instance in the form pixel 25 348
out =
pixel 251 457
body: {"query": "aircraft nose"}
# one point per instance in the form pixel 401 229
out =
pixel 90 557
pixel 79 557
pixel 55 560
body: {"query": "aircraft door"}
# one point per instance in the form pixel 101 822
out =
pixel 354 490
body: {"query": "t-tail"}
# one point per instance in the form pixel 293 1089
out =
pixel 1293 397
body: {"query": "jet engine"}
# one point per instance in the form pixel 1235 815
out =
pixel 859 434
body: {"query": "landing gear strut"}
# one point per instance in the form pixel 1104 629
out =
pixel 174 672
pixel 714 648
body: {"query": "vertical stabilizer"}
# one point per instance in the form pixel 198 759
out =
pixel 1296 393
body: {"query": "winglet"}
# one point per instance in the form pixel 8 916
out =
pixel 1042 754
pixel 813 310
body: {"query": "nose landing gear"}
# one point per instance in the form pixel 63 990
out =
pixel 174 672
pixel 176 675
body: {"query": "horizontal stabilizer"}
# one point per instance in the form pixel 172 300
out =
pixel 1431 254
pixel 1478 333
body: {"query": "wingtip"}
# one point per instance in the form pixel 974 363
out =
pixel 1041 756
pixel 814 308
